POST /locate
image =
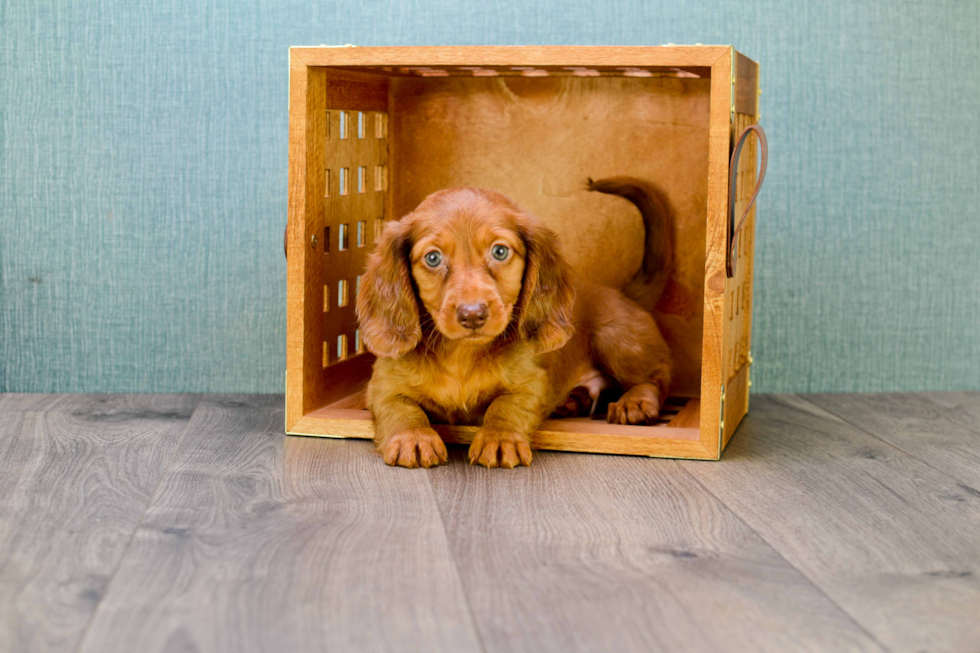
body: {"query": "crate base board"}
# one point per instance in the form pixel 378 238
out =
pixel 678 439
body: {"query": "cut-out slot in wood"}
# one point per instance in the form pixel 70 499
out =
pixel 326 240
pixel 379 177
pixel 357 285
pixel 380 125
pixel 379 225
pixel 343 239
pixel 342 293
pixel 361 127
pixel 343 124
pixel 326 183
pixel 358 344
pixel 326 297
pixel 327 128
pixel 362 179
pixel 326 355
pixel 343 181
pixel 361 228
pixel 342 347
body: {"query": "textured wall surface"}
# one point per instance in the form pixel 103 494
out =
pixel 143 180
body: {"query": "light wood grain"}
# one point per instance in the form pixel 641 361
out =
pixel 890 539
pixel 713 368
pixel 939 430
pixel 257 542
pixel 78 473
pixel 593 436
pixel 299 367
pixel 511 55
pixel 597 553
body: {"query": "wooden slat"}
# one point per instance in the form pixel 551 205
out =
pixel 889 539
pixel 938 429
pixel 257 542
pixel 297 377
pixel 598 553
pixel 78 474
pixel 511 55
pixel 736 403
pixel 746 85
pixel 556 435
pixel 713 371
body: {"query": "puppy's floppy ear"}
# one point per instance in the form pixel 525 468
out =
pixel 544 307
pixel 387 309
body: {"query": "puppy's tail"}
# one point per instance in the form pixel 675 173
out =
pixel 658 254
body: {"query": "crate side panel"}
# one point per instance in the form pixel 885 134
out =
pixel 739 288
pixel 343 205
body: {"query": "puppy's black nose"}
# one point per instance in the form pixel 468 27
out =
pixel 472 316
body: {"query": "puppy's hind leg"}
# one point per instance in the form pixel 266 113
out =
pixel 629 346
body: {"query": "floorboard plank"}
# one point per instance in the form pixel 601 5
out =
pixel 890 539
pixel 259 542
pixel 944 436
pixel 966 406
pixel 615 553
pixel 76 479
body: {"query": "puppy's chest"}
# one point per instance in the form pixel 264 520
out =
pixel 458 391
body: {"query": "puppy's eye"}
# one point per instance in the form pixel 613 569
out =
pixel 499 252
pixel 433 259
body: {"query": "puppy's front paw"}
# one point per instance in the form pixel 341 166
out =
pixel 638 405
pixel 414 447
pixel 492 448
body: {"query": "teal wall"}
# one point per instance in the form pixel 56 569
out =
pixel 143 179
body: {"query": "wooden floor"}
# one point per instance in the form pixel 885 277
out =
pixel 146 523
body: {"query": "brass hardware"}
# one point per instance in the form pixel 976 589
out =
pixel 313 241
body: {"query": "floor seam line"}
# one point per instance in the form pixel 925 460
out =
pixel 452 557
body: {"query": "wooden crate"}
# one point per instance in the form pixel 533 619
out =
pixel 374 130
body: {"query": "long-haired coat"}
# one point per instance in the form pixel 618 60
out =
pixel 475 318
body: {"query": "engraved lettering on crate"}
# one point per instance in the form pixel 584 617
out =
pixel 355 183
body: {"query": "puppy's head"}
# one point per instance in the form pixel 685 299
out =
pixel 474 266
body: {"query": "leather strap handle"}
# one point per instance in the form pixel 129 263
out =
pixel 733 228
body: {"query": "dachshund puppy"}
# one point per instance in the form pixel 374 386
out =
pixel 476 319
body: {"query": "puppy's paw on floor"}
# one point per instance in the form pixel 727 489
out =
pixel 638 405
pixel 492 448
pixel 414 448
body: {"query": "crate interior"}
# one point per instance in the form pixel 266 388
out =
pixel 380 139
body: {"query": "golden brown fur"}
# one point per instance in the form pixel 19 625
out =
pixel 497 343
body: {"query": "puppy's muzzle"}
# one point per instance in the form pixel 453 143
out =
pixel 472 316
